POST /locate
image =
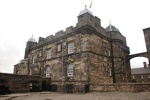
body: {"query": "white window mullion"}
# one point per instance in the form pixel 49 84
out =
pixel 70 48
pixel 70 70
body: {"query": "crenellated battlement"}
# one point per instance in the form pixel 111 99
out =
pixel 69 29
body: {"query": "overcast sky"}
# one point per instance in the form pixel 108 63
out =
pixel 20 19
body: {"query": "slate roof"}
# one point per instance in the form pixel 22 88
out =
pixel 111 28
pixel 32 39
pixel 85 11
pixel 140 71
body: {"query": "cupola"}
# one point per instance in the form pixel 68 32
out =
pixel 85 10
pixel 32 39
pixel 111 28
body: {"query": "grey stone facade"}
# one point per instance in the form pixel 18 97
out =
pixel 81 55
pixel 147 40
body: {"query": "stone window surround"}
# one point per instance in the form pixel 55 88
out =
pixel 48 53
pixel 33 59
pixel 133 76
pixel 30 72
pixel 48 68
pixel 142 76
pixel 104 44
pixel 40 53
pixel 58 49
pixel 109 52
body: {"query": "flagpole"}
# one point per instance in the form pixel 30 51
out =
pixel 91 5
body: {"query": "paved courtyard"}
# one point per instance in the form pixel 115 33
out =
pixel 79 96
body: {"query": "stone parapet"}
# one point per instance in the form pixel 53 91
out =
pixel 19 83
pixel 128 87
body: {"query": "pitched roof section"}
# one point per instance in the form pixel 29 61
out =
pixel 140 71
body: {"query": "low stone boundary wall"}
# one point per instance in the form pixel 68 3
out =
pixel 128 87
pixel 18 83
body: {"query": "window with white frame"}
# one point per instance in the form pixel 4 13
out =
pixel 70 47
pixel 70 70
pixel 141 76
pixel 59 47
pixel 109 52
pixel 133 76
pixel 49 55
pixel 33 59
pixel 110 74
pixel 123 77
pixel 40 53
pixel 30 72
pixel 47 71
pixel 105 68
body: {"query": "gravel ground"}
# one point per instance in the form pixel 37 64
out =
pixel 80 96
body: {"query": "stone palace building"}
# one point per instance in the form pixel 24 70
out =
pixel 79 56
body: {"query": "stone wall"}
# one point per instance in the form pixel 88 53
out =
pixel 19 83
pixel 140 78
pixel 100 60
pixel 99 69
pixel 128 87
pixel 76 86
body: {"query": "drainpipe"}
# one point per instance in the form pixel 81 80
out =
pixel 112 60
pixel 62 62
pixel 28 66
